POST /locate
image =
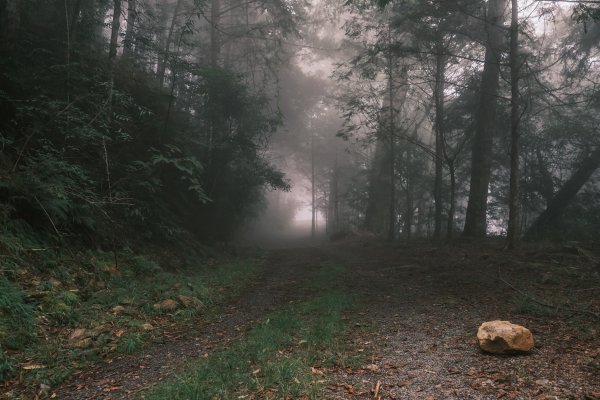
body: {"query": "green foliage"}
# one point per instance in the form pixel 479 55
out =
pixel 129 343
pixel 7 366
pixel 144 266
pixel 62 308
pixel 17 317
pixel 89 153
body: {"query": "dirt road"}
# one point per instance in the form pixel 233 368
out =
pixel 420 309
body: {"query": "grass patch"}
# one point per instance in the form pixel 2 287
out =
pixel 114 306
pixel 277 358
pixel 17 318
pixel 526 305
pixel 129 343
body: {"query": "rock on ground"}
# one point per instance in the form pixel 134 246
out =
pixel 501 337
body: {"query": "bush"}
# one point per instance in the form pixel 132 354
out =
pixel 129 343
pixel 62 308
pixel 143 266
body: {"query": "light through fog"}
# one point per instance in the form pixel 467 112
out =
pixel 306 148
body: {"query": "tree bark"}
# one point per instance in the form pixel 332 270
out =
pixel 333 222
pixel 485 123
pixel 376 214
pixel 129 42
pixel 452 210
pixel 313 228
pixel 409 209
pixel 215 46
pixel 10 22
pixel 514 214
pixel 550 218
pixel 440 73
pixel 392 138
pixel 114 35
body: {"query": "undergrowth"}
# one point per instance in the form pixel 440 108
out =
pixel 279 357
pixel 108 308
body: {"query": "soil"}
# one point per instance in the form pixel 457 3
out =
pixel 418 332
pixel 420 309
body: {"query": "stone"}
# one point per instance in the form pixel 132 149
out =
pixel 117 309
pixel 189 301
pixel 147 327
pixel 78 333
pixel 98 285
pixel 500 337
pixel 166 305
pixel 55 283
pixel 83 343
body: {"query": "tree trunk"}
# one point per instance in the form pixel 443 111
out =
pixel 215 46
pixel 409 209
pixel 112 55
pixel 163 65
pixel 114 35
pixel 392 138
pixel 452 210
pixel 334 218
pixel 312 184
pixel 10 22
pixel 514 215
pixel 376 214
pixel 440 73
pixel 129 42
pixel 551 216
pixel 485 123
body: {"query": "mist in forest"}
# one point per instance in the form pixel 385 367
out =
pixel 228 120
pixel 426 132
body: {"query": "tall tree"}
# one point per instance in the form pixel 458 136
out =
pixel 514 216
pixel 168 41
pixel 130 33
pixel 10 21
pixel 114 32
pixel 392 137
pixel 485 121
pixel 440 76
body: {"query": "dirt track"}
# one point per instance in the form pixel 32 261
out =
pixel 421 306
pixel 124 376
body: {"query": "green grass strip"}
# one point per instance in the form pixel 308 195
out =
pixel 275 359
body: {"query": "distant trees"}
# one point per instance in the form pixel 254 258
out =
pixel 499 89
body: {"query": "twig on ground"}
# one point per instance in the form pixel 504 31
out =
pixel 376 390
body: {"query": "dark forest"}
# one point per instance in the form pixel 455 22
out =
pixel 299 199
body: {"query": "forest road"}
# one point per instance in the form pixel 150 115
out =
pixel 125 376
pixel 420 307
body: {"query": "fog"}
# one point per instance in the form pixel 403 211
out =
pixel 332 93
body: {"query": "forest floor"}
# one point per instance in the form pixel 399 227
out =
pixel 410 333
